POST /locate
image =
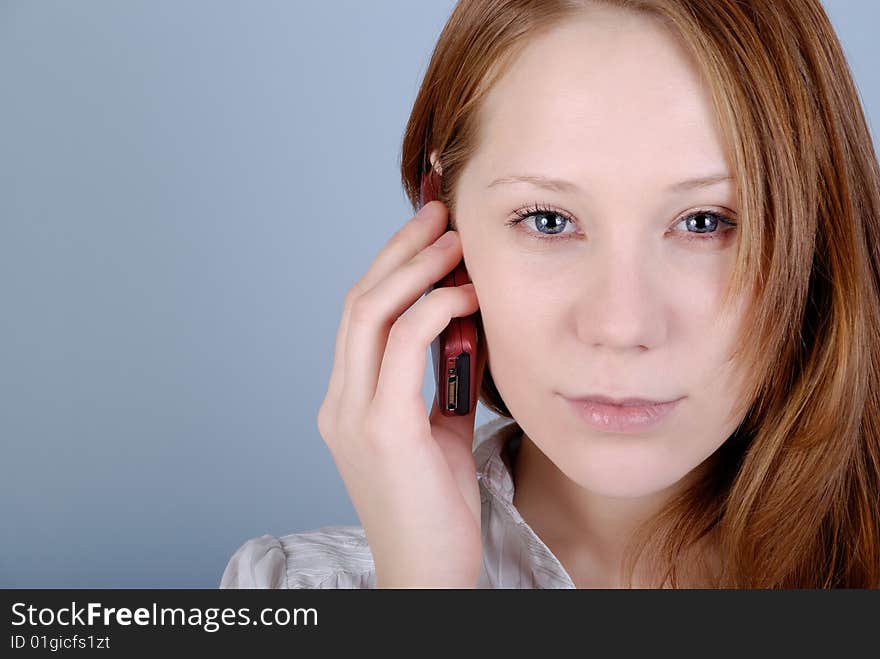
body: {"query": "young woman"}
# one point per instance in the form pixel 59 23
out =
pixel 663 200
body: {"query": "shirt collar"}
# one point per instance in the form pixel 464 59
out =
pixel 495 445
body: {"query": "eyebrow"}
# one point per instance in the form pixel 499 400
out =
pixel 561 185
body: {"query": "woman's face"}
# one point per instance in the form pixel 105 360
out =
pixel 601 292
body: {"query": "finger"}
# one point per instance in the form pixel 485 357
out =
pixel 421 230
pixel 375 313
pixel 402 369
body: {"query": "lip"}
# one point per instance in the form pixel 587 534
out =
pixel 636 415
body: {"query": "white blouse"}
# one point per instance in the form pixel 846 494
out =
pixel 339 556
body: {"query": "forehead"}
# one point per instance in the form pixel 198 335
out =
pixel 613 93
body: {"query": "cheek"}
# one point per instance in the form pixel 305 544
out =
pixel 513 296
pixel 697 279
pixel 517 319
pixel 722 386
pixel 505 285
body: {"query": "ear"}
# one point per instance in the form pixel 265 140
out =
pixel 435 164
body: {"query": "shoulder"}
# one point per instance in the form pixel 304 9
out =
pixel 327 557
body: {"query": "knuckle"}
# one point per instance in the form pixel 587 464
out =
pixel 443 294
pixel 352 295
pixel 323 421
pixel 439 292
pixel 361 310
pixel 398 239
pixel 403 331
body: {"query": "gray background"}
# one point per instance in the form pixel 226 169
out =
pixel 187 191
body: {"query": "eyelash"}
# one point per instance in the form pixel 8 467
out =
pixel 691 237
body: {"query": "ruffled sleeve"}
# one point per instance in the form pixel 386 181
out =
pixel 328 557
pixel 258 563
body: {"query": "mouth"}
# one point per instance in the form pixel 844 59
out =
pixel 626 415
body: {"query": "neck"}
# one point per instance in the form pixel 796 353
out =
pixel 587 532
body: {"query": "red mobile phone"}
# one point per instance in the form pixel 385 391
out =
pixel 454 351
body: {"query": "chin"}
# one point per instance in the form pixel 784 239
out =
pixel 624 472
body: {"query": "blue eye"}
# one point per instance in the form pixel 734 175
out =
pixel 702 226
pixel 545 217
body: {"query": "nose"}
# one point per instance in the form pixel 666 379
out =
pixel 620 307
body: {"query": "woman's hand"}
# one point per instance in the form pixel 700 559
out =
pixel 411 476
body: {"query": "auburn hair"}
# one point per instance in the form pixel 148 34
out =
pixel 792 497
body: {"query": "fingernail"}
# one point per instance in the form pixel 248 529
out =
pixel 446 239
